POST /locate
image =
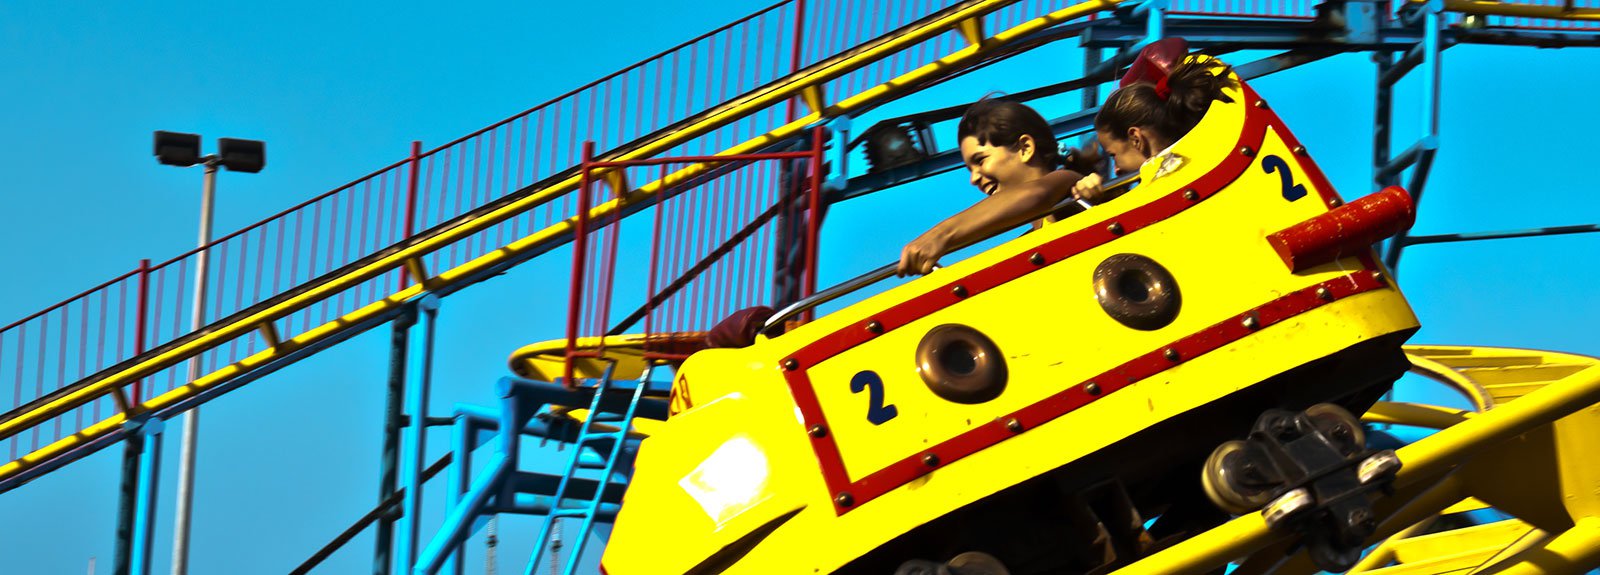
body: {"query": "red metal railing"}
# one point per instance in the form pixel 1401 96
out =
pixel 1293 9
pixel 712 247
pixel 432 190
pixel 147 308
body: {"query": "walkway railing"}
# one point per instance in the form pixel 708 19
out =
pixel 309 269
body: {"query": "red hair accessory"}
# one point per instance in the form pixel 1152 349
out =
pixel 1153 63
pixel 1162 91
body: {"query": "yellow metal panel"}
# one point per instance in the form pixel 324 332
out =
pixel 1486 538
pixel 546 360
pixel 1383 554
pixel 1016 314
pixel 1428 367
pixel 708 121
pixel 1050 331
pixel 723 483
pixel 1430 416
pixel 1541 373
pixel 1572 552
pixel 1426 458
pixel 1464 361
pixel 1468 504
pixel 1461 563
pixel 1506 393
pixel 1577 439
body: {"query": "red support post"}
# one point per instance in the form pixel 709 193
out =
pixel 794 58
pixel 411 206
pixel 655 258
pixel 580 248
pixel 814 211
pixel 141 315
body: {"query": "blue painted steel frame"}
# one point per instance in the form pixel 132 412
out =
pixel 589 509
pixel 419 380
pixel 144 518
pixel 1434 38
pixel 499 487
pixel 1419 156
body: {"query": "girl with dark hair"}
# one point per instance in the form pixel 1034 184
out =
pixel 1140 121
pixel 1011 156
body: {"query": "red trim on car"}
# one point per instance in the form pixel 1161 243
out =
pixel 847 494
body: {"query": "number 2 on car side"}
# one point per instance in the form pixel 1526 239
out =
pixel 878 412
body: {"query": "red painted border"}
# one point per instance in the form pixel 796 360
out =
pixel 1257 119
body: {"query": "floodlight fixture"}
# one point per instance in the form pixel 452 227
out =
pixel 247 156
pixel 177 148
pixel 183 150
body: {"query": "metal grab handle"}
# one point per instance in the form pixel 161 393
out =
pixel 1116 184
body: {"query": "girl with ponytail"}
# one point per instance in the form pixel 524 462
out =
pixel 1141 120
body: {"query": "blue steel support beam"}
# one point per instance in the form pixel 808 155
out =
pixel 530 504
pixel 1091 92
pixel 128 498
pixel 419 376
pixel 144 521
pixel 597 405
pixel 1390 171
pixel 1432 77
pixel 290 355
pixel 1250 34
pixel 1500 235
pixel 840 174
pixel 1153 12
pixel 461 435
pixel 389 462
pixel 515 411
pixel 1421 153
pixel 1399 69
pixel 1383 119
pixel 619 438
pixel 1530 38
pixel 531 483
pixel 458 522
pixel 1065 127
pixel 1211 33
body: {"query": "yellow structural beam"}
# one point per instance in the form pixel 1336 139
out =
pixel 1483 539
pixel 1383 553
pixel 1427 458
pixel 1429 416
pixel 1573 552
pixel 1465 505
pixel 1486 8
pixel 1425 365
pixel 706 122
pixel 1577 439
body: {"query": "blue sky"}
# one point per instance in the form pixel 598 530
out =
pixel 339 90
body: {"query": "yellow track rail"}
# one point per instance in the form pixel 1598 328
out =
pixel 1519 10
pixel 795 85
pixel 1434 481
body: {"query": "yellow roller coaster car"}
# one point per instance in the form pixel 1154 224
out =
pixel 1036 402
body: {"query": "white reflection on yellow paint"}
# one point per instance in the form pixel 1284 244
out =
pixel 729 482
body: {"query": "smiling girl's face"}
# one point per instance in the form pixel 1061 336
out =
pixel 994 167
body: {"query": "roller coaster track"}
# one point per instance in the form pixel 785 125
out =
pixel 804 70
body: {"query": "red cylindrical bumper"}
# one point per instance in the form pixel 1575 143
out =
pixel 1345 230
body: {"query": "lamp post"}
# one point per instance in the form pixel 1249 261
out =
pixel 183 150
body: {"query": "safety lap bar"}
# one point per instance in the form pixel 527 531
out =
pixel 777 320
